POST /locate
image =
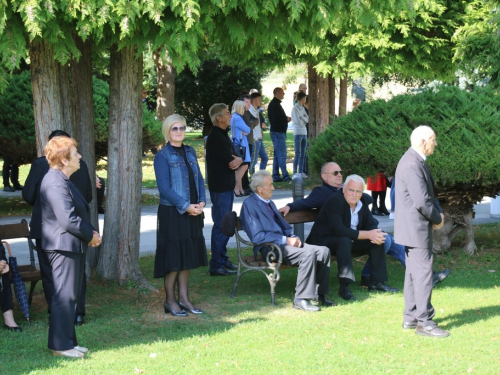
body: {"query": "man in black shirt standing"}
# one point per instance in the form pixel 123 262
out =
pixel 279 125
pixel 221 165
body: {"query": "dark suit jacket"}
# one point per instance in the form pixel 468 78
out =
pixel 259 224
pixel 65 214
pixel 31 191
pixel 416 205
pixel 277 116
pixel 334 220
pixel 3 256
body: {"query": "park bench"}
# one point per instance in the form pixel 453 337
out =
pixel 273 264
pixel 28 272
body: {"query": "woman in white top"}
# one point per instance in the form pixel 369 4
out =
pixel 299 120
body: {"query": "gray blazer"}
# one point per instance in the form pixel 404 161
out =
pixel 65 215
pixel 417 207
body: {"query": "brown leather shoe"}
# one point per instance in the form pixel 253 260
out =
pixel 431 331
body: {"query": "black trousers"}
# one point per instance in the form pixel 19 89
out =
pixel 67 276
pixel 10 169
pixel 100 192
pixel 343 247
pixel 6 294
pixel 48 282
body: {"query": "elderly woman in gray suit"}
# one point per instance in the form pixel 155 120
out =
pixel 66 234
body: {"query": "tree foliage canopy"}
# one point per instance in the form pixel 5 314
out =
pixel 374 136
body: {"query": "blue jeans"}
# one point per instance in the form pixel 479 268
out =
pixel 300 142
pixel 255 153
pixel 222 203
pixel 279 158
pixel 391 248
pixel 393 194
pixel 264 158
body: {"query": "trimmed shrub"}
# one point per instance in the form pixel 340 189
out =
pixel 374 136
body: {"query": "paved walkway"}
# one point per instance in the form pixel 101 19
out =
pixel 148 222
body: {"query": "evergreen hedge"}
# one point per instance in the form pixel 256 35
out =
pixel 374 136
pixel 17 124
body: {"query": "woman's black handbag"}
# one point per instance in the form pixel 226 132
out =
pixel 238 149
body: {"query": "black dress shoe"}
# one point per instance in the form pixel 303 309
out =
pixel 223 271
pixel 230 266
pixel 439 276
pixel 192 311
pixel 376 212
pixel 18 187
pixel 346 293
pixel 278 180
pixel 238 195
pixel 365 281
pixel 179 314
pixel 323 301
pixel 410 325
pixel 248 192
pixel 383 287
pixel 79 320
pixel 12 329
pixel 100 210
pixel 384 211
pixel 304 304
pixel 8 188
pixel 431 331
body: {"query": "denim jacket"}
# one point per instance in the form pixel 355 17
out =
pixel 173 180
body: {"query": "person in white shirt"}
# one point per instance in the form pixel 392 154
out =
pixel 299 120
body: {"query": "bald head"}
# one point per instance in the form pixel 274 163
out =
pixel 331 173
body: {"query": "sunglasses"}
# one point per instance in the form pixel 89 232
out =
pixel 336 173
pixel 178 129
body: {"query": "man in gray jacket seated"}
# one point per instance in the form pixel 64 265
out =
pixel 264 224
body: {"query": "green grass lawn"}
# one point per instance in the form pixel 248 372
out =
pixel 128 332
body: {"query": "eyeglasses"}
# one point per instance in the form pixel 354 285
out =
pixel 178 129
pixel 336 173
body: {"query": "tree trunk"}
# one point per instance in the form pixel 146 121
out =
pixel 45 83
pixel 81 74
pixel 312 100
pixel 322 104
pixel 343 96
pixel 119 258
pixel 68 103
pixel 456 219
pixel 319 102
pixel 331 97
pixel 166 84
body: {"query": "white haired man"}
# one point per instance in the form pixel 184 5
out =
pixel 346 225
pixel 263 224
pixel 417 213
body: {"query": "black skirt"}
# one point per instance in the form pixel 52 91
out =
pixel 180 244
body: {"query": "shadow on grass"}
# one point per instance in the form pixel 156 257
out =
pixel 471 316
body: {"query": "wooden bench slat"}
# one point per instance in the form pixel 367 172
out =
pixel 11 231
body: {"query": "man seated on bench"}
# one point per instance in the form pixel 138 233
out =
pixel 346 225
pixel 331 173
pixel 263 224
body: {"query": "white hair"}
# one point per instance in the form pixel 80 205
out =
pixel 257 179
pixel 420 133
pixel 355 178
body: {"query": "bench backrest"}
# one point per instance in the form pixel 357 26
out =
pixel 20 230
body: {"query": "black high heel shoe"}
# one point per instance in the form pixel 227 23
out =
pixel 168 309
pixel 185 308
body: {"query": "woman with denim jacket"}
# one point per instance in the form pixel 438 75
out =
pixel 239 132
pixel 180 245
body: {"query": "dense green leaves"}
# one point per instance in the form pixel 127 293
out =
pixel 374 136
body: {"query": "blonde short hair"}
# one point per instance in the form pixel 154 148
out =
pixel 57 149
pixel 238 107
pixel 169 121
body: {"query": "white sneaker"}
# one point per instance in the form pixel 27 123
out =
pixel 303 175
pixel 391 216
